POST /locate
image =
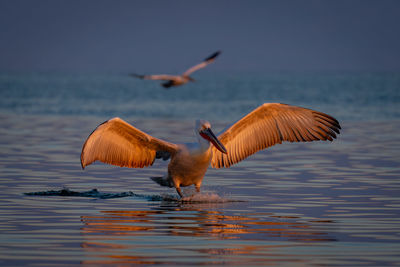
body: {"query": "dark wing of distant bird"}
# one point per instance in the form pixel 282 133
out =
pixel 118 143
pixel 203 64
pixel 270 124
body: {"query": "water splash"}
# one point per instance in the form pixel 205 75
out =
pixel 206 198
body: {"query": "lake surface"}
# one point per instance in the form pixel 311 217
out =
pixel 312 204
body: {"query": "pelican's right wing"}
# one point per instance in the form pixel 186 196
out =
pixel 163 77
pixel 118 143
pixel 270 124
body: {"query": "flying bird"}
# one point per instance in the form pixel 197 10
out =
pixel 118 143
pixel 176 80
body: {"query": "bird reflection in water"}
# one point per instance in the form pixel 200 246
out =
pixel 117 234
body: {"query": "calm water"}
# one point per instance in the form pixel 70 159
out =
pixel 334 204
pixel 362 96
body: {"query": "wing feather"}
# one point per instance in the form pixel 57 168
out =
pixel 118 143
pixel 270 124
pixel 201 65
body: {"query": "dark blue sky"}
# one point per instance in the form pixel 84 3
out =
pixel 169 36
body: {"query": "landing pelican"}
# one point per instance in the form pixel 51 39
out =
pixel 176 80
pixel 119 143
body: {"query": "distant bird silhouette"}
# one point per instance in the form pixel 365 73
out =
pixel 119 143
pixel 176 80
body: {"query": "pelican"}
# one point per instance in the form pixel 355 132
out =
pixel 118 143
pixel 176 80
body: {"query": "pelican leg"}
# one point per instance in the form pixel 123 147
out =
pixel 178 189
pixel 197 186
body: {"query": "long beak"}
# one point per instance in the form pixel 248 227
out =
pixel 209 135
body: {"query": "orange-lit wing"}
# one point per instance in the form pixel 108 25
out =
pixel 118 143
pixel 270 124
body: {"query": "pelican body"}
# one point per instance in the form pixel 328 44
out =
pixel 119 143
pixel 177 80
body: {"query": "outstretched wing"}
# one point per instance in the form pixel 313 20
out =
pixel 270 124
pixel 118 143
pixel 206 61
pixel 164 77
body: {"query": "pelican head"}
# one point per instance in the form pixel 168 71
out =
pixel 203 128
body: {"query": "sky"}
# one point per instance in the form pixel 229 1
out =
pixel 169 36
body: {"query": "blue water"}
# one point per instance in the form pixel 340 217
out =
pixel 294 204
pixel 346 96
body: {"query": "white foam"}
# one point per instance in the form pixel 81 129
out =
pixel 206 198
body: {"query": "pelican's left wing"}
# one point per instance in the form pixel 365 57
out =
pixel 270 124
pixel 206 61
pixel 118 143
